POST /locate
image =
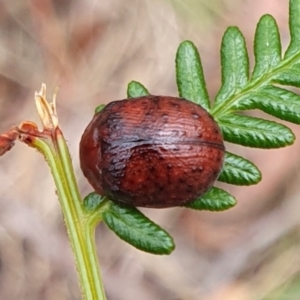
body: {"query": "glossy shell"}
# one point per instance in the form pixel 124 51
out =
pixel 152 151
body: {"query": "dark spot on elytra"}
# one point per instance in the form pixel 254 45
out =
pixel 152 169
pixel 188 190
pixel 174 105
pixel 116 127
pixel 197 169
pixel 182 180
pixel 144 103
pixel 195 115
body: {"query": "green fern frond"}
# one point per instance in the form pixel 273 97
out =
pixel 244 90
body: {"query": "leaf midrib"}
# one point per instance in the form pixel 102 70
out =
pixel 263 80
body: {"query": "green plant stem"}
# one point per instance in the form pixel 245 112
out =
pixel 80 231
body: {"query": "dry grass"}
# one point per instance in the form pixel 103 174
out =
pixel 92 49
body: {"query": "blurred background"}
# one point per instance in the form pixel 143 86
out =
pixel 91 49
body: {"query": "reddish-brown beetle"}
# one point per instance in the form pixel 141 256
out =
pixel 152 151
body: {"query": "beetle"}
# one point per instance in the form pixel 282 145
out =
pixel 152 151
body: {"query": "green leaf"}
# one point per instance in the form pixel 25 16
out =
pixel 136 89
pixel 239 171
pixel 189 74
pixel 289 76
pixel 92 201
pixel 267 46
pixel 275 101
pixel 214 200
pixel 235 64
pixel 255 132
pixel 239 92
pixel 136 229
pixel 294 23
pixel 99 108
